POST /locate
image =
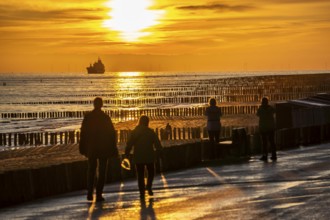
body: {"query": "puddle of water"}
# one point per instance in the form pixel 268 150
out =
pixel 288 205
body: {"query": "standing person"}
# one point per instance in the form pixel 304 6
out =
pixel 97 143
pixel 267 128
pixel 168 130
pixel 146 144
pixel 213 113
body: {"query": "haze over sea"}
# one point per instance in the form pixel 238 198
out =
pixel 57 92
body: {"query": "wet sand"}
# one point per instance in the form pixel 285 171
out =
pixel 34 157
pixel 240 120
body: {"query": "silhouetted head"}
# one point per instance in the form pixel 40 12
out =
pixel 212 102
pixel 144 120
pixel 264 101
pixel 98 103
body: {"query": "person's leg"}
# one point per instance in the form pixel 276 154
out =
pixel 91 177
pixel 140 175
pixel 217 136
pixel 212 144
pixel 102 171
pixel 264 146
pixel 211 136
pixel 272 145
pixel 151 174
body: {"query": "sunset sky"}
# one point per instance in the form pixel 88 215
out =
pixel 164 35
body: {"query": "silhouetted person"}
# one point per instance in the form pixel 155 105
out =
pixel 267 128
pixel 213 113
pixel 97 143
pixel 168 130
pixel 146 147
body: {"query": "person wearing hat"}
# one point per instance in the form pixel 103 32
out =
pixel 98 143
pixel 146 146
pixel 267 129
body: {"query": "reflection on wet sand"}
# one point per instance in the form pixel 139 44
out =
pixel 147 211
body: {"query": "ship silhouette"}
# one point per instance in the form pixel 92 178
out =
pixel 96 68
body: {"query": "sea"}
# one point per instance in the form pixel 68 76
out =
pixel 59 92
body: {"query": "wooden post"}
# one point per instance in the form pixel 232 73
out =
pixel 9 139
pixel 78 136
pixel 4 139
pixel 66 137
pixel 55 138
pixel 31 139
pixel 46 138
pixel 61 137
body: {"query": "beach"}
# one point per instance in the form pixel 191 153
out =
pixel 35 157
pixel 39 147
pixel 237 120
pixel 174 96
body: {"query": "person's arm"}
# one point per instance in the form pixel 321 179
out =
pixel 220 112
pixel 206 113
pixel 258 112
pixel 129 144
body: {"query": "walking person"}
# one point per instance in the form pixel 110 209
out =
pixel 267 129
pixel 146 147
pixel 213 113
pixel 98 144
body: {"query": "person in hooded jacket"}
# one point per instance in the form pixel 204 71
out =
pixel 146 148
pixel 98 144
pixel 267 129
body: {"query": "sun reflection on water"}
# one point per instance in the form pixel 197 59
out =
pixel 127 81
pixel 130 74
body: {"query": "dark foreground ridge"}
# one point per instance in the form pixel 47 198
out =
pixel 297 186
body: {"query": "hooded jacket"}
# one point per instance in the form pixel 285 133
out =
pixel 145 142
pixel 98 136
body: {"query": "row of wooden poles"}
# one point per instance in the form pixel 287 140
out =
pixel 132 114
pixel 138 101
pixel 246 89
pixel 69 137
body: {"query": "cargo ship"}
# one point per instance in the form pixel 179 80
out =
pixel 96 68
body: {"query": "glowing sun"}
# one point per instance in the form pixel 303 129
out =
pixel 131 18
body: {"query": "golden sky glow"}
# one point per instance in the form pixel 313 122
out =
pixel 163 35
pixel 131 22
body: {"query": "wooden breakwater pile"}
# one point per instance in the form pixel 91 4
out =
pixel 239 95
pixel 133 114
pixel 236 89
pixel 72 137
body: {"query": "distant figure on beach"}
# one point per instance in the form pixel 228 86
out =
pixel 213 113
pixel 146 147
pixel 168 130
pixel 98 144
pixel 267 128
